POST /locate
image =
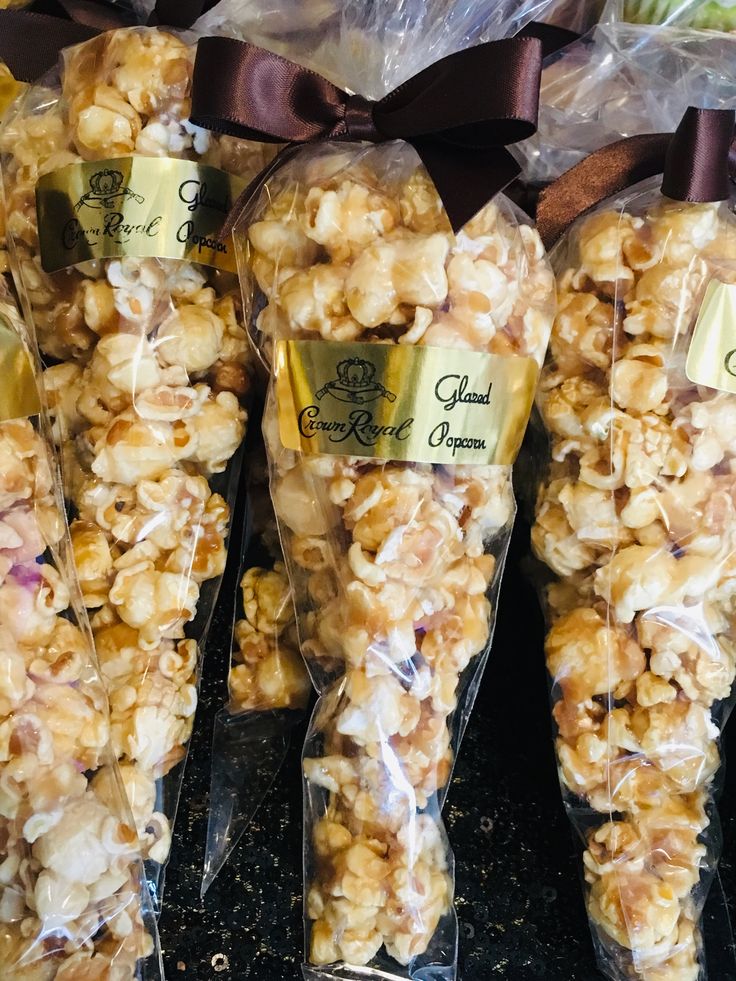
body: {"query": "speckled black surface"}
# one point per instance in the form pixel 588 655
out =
pixel 518 895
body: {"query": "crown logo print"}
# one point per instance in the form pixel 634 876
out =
pixel 356 383
pixel 107 191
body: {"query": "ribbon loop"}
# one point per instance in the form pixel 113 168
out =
pixel 694 161
pixel 696 165
pixel 459 114
pixel 359 121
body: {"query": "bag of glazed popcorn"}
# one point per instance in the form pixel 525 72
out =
pixel 268 683
pixel 114 204
pixel 403 356
pixel 636 520
pixel 73 902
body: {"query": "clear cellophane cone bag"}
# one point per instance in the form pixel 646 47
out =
pixel 635 519
pixel 395 565
pixel 148 378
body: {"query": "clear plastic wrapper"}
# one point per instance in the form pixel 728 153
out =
pixel 269 687
pixel 368 47
pixel 147 375
pixel 395 565
pixel 635 519
pixel 574 15
pixel 622 80
pixel 73 900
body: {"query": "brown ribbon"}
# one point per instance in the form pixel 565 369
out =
pixel 29 59
pixel 31 39
pixel 459 114
pixel 179 13
pixel 694 161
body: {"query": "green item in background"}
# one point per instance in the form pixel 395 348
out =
pixel 708 15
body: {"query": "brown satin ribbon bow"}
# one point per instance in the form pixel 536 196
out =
pixel 694 162
pixel 459 114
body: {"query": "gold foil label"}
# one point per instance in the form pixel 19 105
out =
pixel 9 88
pixel 18 390
pixel 711 359
pixel 388 401
pixel 135 206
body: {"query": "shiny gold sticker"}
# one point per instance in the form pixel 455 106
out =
pixel 711 359
pixel 388 401
pixel 18 391
pixel 137 206
pixel 9 88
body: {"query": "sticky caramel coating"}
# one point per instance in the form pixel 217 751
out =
pixel 150 373
pixel 267 670
pixel 636 518
pixel 392 563
pixel 70 888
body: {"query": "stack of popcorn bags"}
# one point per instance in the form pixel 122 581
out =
pixel 384 570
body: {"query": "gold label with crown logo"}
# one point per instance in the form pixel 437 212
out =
pixel 396 402
pixel 135 206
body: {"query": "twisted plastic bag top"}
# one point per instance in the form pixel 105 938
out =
pixel 622 80
pixel 370 47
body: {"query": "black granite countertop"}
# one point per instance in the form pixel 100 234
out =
pixel 519 899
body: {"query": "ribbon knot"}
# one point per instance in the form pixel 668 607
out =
pixel 459 114
pixel 359 122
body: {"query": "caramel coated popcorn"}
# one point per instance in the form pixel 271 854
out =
pixel 636 518
pixel 393 564
pixel 267 670
pixel 70 895
pixel 149 370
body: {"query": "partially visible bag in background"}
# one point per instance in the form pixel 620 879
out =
pixel 73 899
pixel 623 80
pixel 268 682
pixel 636 521
pixel 114 204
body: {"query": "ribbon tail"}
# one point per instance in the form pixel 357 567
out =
pixel 466 181
pixel 697 163
pixel 603 174
pixel 30 43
